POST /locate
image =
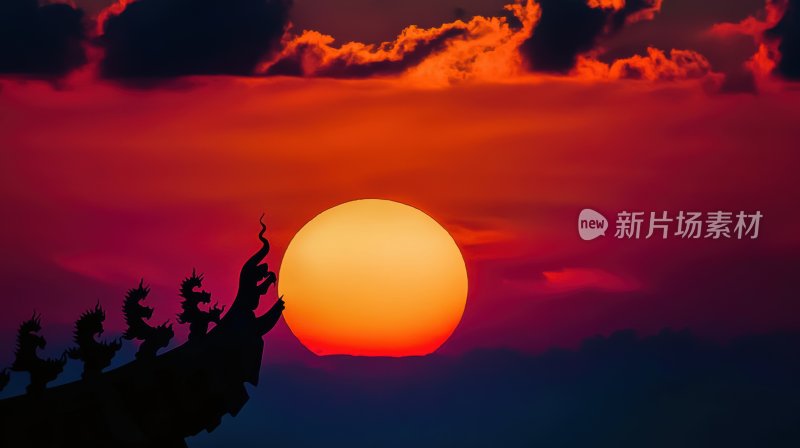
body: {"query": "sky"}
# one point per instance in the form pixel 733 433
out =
pixel 144 139
pixel 500 166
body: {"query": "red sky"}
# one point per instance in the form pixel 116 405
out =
pixel 104 183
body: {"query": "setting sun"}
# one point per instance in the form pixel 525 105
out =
pixel 373 277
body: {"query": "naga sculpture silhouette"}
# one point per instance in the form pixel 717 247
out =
pixel 95 355
pixel 41 371
pixel 154 401
pixel 197 319
pixel 153 338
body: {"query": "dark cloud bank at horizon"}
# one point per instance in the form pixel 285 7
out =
pixel 667 390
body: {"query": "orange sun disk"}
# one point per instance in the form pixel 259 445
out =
pixel 374 278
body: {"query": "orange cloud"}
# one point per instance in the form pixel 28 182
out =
pixel 647 13
pixel 608 4
pixel 750 26
pixel 577 279
pixel 763 62
pixel 312 53
pixel 483 47
pixel 655 66
pixel 113 9
pixel 753 26
pixel 572 280
pixel 489 51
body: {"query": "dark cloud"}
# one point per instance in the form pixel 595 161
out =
pixel 788 31
pixel 667 390
pixel 40 40
pixel 167 38
pixel 568 28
